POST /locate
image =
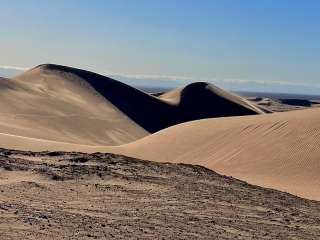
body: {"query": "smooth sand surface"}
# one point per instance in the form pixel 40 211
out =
pixel 280 150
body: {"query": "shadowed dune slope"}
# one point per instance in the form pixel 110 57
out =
pixel 280 150
pixel 202 98
pixel 71 105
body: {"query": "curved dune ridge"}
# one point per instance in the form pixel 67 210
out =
pixel 53 107
pixel 203 95
pixel 54 103
pixel 60 103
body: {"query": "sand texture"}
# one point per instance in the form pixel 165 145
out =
pixel 279 150
pixel 59 108
pixel 56 195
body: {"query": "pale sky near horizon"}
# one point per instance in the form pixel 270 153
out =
pixel 272 42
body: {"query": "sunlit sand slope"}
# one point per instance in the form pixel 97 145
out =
pixel 280 150
pixel 56 104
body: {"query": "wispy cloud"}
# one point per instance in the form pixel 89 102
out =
pixel 214 80
pixel 247 85
pixel 153 77
pixel 9 71
pixel 268 82
pixel 14 68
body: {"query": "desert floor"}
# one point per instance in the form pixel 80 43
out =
pixel 57 195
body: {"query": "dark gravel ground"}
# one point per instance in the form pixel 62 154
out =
pixel 57 195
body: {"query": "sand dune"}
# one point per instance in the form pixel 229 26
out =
pixel 282 105
pixel 65 104
pixel 200 98
pixel 279 150
pixel 54 108
pixel 48 103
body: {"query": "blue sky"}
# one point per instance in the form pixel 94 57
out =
pixel 247 44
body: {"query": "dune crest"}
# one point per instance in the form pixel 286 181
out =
pixel 65 104
pixel 53 107
pixel 48 102
pixel 208 97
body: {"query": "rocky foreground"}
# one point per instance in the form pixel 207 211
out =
pixel 58 195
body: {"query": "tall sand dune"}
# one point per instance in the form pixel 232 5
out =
pixel 53 107
pixel 71 105
pixel 53 103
